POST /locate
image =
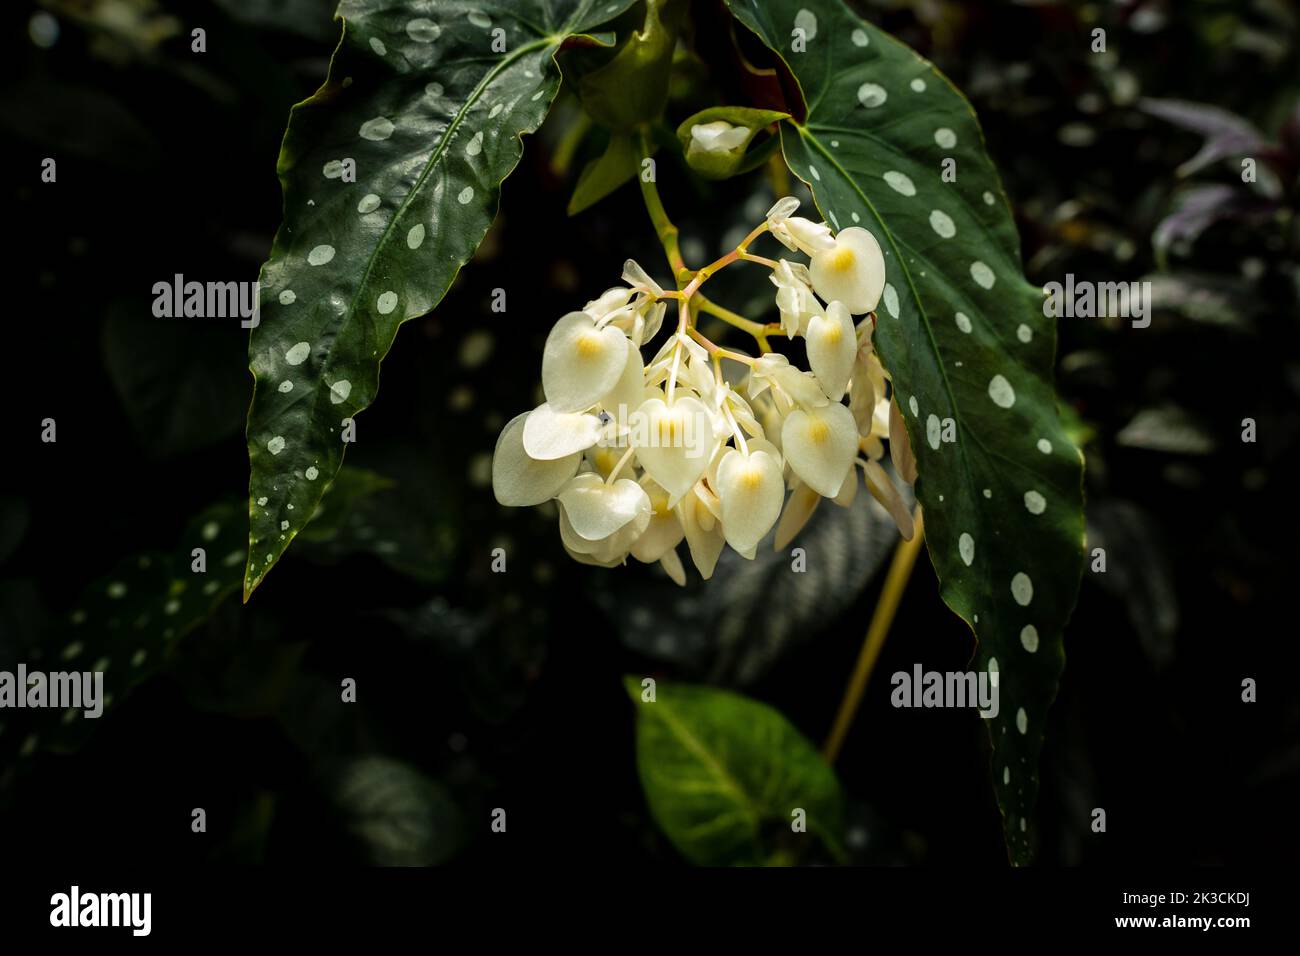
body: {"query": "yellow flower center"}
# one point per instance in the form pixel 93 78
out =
pixel 589 345
pixel 818 431
pixel 841 260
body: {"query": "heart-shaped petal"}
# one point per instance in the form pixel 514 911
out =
pixel 595 510
pixel 673 442
pixel 752 492
pixel 581 362
pixel 851 270
pixel 820 445
pixel 832 349
pixel 549 434
pixel 519 480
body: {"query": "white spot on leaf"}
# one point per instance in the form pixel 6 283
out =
pixel 320 255
pixel 871 95
pixel 1022 589
pixel 1029 638
pixel 1000 390
pixel 900 183
pixel 942 224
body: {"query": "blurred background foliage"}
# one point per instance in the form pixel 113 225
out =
pixel 477 691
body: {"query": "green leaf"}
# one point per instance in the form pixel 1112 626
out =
pixel 603 175
pixel 129 622
pixel 632 88
pixel 432 116
pixel 964 337
pixel 395 815
pixel 723 776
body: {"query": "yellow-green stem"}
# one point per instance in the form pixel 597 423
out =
pixel 900 570
pixel 664 228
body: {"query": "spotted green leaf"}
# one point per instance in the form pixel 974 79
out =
pixel 725 777
pixel 128 622
pixel 966 341
pixel 428 104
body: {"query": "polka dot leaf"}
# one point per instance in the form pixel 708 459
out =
pixel 964 337
pixel 128 623
pixel 722 774
pixel 391 174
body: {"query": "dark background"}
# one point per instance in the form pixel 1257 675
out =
pixel 479 691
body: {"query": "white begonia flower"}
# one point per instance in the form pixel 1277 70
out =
pixel 596 510
pixel 820 444
pixel 635 472
pixel 851 269
pixel 716 137
pixel 581 362
pixel 548 434
pixel 664 532
pixel 519 480
pixel 796 233
pixel 832 349
pixel 752 491
pixel 799 508
pixel 674 443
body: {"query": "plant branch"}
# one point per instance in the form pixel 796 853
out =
pixel 664 227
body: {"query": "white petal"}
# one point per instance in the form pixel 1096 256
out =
pixel 752 493
pixel 629 391
pixel 519 481
pixel 803 502
pixel 580 362
pixel 596 510
pixel 672 564
pixel 832 349
pixel 674 443
pixel 611 300
pixel 705 544
pixel 851 270
pixel 820 445
pixel 639 279
pixel 549 434
pixel 664 532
